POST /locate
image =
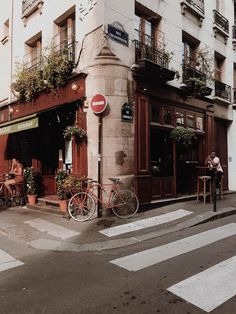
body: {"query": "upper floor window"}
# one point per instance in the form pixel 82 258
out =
pixel 30 6
pixel 5 32
pixel 64 40
pixel 219 63
pixel 188 53
pixel 33 54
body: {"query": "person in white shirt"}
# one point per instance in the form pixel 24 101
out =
pixel 213 162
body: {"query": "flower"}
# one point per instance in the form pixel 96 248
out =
pixel 79 133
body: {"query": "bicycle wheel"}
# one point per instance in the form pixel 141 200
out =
pixel 125 204
pixel 81 206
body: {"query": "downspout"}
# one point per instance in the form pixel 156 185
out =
pixel 11 60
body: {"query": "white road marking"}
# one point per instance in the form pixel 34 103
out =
pixel 159 254
pixel 145 223
pixel 7 261
pixel 51 228
pixel 210 288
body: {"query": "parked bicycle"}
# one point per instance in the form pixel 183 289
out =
pixel 82 205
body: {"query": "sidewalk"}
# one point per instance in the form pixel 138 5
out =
pixel 91 238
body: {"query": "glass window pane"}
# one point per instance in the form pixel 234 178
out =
pixel 168 116
pixel 156 114
pixel 200 123
pixel 179 119
pixel 190 121
pixel 161 153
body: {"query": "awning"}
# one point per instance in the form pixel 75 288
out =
pixel 21 124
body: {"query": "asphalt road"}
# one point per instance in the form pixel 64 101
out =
pixel 94 282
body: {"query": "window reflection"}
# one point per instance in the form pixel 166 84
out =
pixel 179 119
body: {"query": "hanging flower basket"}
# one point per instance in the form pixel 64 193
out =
pixel 79 134
pixel 184 136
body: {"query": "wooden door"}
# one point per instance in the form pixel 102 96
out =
pixel 221 147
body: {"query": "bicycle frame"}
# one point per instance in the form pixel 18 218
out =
pixel 93 187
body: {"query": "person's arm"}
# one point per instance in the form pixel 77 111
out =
pixel 19 171
pixel 208 160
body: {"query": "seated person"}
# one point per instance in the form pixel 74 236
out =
pixel 17 173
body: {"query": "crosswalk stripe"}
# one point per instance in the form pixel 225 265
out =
pixel 140 260
pixel 210 288
pixel 7 261
pixel 51 228
pixel 145 223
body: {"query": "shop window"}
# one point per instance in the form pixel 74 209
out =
pixel 200 123
pixel 161 153
pixel 156 114
pixel 190 121
pixel 179 118
pixel 168 116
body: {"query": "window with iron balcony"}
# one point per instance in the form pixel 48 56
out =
pixel 221 24
pixel 196 7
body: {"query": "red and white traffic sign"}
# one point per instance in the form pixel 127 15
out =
pixel 98 103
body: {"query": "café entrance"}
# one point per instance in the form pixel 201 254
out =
pixel 44 147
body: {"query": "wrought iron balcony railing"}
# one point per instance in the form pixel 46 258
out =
pixel 30 5
pixel 31 60
pixel 143 51
pixel 234 32
pixel 221 21
pixel 222 90
pixel 65 45
pixel 198 5
pixel 234 95
pixel 192 73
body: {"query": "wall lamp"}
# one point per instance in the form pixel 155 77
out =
pixel 75 86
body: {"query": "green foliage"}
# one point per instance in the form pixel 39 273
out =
pixel 67 183
pixel 52 73
pixel 28 84
pixel 57 68
pixel 30 181
pixel 74 131
pixel 185 136
pixel 60 178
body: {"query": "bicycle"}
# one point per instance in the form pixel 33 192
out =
pixel 82 205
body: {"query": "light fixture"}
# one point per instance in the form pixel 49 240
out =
pixel 11 110
pixel 75 86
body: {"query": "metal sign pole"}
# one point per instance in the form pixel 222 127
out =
pixel 99 211
pixel 214 191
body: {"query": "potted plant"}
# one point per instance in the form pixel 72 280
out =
pixel 79 134
pixel 31 186
pixel 184 136
pixel 61 191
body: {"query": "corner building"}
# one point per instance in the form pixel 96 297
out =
pixel 160 64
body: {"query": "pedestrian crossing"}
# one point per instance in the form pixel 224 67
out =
pixel 7 261
pixel 146 223
pixel 51 228
pixel 208 289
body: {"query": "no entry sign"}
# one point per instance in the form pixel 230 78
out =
pixel 98 103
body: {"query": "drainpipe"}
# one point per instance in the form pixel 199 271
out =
pixel 11 60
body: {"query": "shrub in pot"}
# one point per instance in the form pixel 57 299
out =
pixel 61 190
pixel 31 185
